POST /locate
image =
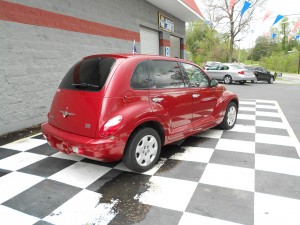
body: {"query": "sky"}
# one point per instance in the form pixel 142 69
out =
pixel 282 7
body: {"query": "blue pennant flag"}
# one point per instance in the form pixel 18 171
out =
pixel 297 37
pixel 245 7
pixel 134 51
pixel 274 35
pixel 279 17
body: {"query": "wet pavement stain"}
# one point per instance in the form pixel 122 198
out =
pixel 123 188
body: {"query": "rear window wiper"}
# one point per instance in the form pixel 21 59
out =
pixel 85 85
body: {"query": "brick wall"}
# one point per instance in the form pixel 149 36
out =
pixel 36 53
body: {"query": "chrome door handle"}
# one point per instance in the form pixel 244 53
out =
pixel 157 99
pixel 196 95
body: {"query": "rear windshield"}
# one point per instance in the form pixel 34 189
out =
pixel 88 74
pixel 236 67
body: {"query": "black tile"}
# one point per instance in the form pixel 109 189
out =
pixel 43 198
pixel 169 150
pixel 41 222
pixel 245 122
pixel 47 167
pixel 241 136
pixel 246 112
pixel 99 163
pixel 276 150
pixel 39 137
pixel 270 130
pixel 148 215
pixel 44 149
pixel 201 142
pixel 269 118
pixel 4 153
pixel 277 184
pixel 4 172
pixel 223 203
pixel 267 110
pixel 183 170
pixel 233 158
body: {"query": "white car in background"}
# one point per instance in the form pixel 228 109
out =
pixel 230 72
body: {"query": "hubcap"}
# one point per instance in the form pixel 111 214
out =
pixel 231 116
pixel 227 80
pixel 146 150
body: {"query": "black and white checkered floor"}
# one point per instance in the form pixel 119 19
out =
pixel 248 175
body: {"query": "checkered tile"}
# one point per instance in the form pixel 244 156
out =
pixel 248 175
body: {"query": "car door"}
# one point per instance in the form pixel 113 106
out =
pixel 170 97
pixel 204 96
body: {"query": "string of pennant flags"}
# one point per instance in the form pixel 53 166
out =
pixel 267 15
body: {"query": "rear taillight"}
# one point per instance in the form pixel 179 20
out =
pixel 111 126
pixel 241 72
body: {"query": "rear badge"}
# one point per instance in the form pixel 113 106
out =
pixel 87 125
pixel 66 113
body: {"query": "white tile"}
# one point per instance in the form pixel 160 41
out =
pixel 247 102
pixel 24 144
pixel 243 128
pixel 229 176
pixel 266 101
pixel 275 210
pixel 168 193
pixel 20 160
pixel 236 145
pixel 194 219
pixel 210 133
pixel 62 155
pixel 195 154
pixel 14 183
pixel 80 174
pixel 262 123
pixel 269 114
pixel 274 139
pixel 242 108
pixel 84 208
pixel 245 117
pixel 266 106
pixel 277 164
pixel 152 171
pixel 10 216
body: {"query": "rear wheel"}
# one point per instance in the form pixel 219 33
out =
pixel 230 117
pixel 142 150
pixel 242 82
pixel 271 80
pixel 227 79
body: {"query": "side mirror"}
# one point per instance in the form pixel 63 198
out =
pixel 213 82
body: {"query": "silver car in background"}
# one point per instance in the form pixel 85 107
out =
pixel 230 72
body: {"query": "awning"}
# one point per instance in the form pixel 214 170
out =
pixel 185 10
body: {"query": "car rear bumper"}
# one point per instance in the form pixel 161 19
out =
pixel 244 78
pixel 98 149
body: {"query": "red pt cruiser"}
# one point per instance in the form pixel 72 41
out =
pixel 114 106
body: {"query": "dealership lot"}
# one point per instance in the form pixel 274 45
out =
pixel 248 175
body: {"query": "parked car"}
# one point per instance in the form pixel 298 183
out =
pixel 112 107
pixel 209 64
pixel 262 74
pixel 229 72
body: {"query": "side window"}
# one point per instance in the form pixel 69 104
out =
pixel 196 76
pixel 165 74
pixel 139 79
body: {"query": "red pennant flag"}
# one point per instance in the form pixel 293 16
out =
pixel 231 4
pixel 268 14
pixel 296 26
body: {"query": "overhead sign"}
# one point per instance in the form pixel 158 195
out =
pixel 165 23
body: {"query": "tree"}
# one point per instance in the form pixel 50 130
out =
pixel 229 21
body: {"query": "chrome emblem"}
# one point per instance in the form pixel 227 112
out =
pixel 66 113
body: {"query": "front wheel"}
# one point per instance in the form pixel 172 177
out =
pixel 227 79
pixel 230 117
pixel 142 150
pixel 271 80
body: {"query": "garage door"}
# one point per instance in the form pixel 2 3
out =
pixel 149 41
pixel 175 46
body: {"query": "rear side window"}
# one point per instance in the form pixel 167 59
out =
pixel 139 79
pixel 88 74
pixel 165 74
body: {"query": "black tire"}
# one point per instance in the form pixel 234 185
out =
pixel 227 79
pixel 242 82
pixel 271 80
pixel 142 149
pixel 230 117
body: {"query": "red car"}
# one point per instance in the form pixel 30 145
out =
pixel 114 106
